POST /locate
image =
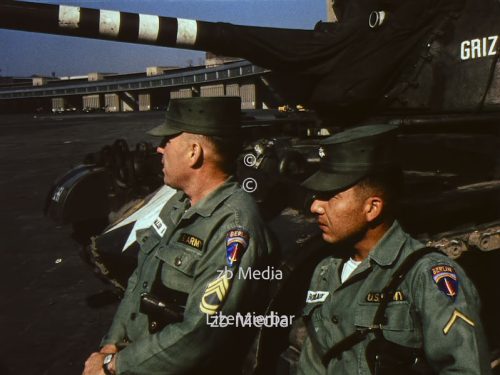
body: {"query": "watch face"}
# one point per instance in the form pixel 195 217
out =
pixel 108 358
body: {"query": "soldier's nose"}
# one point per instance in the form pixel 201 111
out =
pixel 317 208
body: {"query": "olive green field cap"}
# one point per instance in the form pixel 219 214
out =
pixel 348 156
pixel 218 116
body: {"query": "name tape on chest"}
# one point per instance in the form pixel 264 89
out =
pixel 159 226
pixel 314 296
pixel 237 241
pixel 446 280
pixel 190 240
pixel 376 297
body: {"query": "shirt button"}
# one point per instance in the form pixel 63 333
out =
pixel 145 284
pixel 335 319
pixel 178 261
pixel 153 326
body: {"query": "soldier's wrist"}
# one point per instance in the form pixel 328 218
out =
pixel 108 349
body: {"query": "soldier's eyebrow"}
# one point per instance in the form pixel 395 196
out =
pixel 324 195
pixel 337 196
pixel 167 139
pixel 164 141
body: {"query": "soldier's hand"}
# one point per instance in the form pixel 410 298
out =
pixel 93 364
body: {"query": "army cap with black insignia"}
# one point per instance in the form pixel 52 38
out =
pixel 347 157
pixel 216 116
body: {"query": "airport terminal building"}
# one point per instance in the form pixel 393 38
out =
pixel 144 91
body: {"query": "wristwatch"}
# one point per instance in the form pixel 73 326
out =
pixel 105 364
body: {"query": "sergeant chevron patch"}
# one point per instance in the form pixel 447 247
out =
pixel 215 294
pixel 446 280
pixel 237 241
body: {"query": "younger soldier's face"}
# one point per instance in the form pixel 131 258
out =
pixel 341 217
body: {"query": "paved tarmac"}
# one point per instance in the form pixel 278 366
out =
pixel 46 324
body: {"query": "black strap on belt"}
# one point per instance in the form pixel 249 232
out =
pixel 345 344
pixel 379 320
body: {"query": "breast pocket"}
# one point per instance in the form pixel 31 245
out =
pixel 399 326
pixel 179 265
pixel 397 313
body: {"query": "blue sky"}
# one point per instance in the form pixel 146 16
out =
pixel 24 54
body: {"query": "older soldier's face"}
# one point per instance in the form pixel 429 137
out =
pixel 341 217
pixel 174 160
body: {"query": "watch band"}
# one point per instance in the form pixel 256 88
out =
pixel 107 361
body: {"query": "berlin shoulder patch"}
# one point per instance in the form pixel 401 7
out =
pixel 237 241
pixel 446 280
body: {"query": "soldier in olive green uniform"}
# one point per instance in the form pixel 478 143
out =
pixel 209 227
pixel 430 319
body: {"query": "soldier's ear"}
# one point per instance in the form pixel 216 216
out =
pixel 195 154
pixel 374 207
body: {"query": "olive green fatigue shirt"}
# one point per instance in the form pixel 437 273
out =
pixel 191 252
pixel 421 315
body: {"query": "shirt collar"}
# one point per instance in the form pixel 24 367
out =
pixel 388 248
pixel 208 204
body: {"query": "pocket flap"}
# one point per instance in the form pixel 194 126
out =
pixel 178 259
pixel 397 313
pixel 147 240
